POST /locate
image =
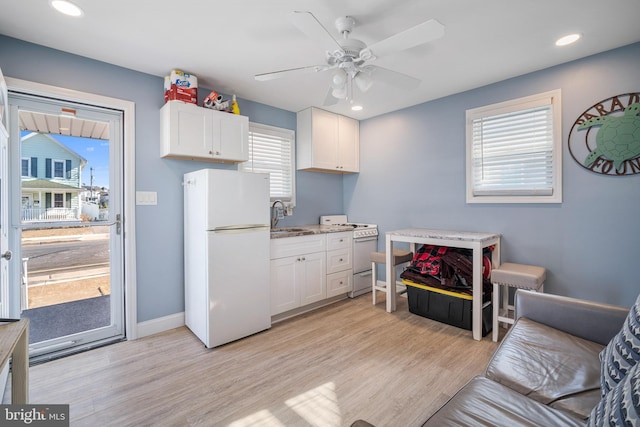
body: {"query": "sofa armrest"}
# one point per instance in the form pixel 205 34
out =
pixel 593 321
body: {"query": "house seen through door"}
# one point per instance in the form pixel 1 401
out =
pixel 66 212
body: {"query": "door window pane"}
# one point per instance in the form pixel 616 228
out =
pixel 58 200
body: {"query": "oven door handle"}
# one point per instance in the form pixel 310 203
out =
pixel 365 239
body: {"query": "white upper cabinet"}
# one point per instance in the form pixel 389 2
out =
pixel 327 142
pixel 191 132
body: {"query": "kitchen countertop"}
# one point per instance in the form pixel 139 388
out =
pixel 307 230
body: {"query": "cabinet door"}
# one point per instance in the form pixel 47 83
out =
pixel 190 130
pixel 324 137
pixel 313 285
pixel 348 144
pixel 285 294
pixel 339 283
pixel 231 139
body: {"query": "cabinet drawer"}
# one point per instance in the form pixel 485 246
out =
pixel 339 283
pixel 339 260
pixel 297 245
pixel 339 240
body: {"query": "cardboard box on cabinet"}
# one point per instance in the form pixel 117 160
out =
pixel 180 86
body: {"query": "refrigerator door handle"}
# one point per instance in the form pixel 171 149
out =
pixel 238 230
pixel 241 227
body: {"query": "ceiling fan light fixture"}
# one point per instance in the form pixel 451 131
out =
pixel 363 81
pixel 339 79
pixel 340 93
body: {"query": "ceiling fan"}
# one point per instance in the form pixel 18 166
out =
pixel 350 57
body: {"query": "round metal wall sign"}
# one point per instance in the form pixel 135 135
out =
pixel 605 139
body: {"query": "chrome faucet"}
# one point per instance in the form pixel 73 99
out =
pixel 275 213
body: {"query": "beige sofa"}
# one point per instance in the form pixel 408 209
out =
pixel 546 371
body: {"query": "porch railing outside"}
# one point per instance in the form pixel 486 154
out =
pixel 50 214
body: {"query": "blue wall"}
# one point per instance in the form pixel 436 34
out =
pixel 159 232
pixel 413 175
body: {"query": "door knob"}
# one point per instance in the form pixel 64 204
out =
pixel 7 255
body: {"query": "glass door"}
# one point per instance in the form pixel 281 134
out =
pixel 66 169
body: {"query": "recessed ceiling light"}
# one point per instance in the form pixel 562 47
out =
pixel 356 107
pixel 66 7
pixel 568 39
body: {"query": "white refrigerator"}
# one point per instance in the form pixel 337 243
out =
pixel 226 254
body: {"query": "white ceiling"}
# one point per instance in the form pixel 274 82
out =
pixel 225 44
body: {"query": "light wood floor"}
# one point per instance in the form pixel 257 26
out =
pixel 326 368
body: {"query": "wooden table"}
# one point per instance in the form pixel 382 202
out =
pixel 14 343
pixel 456 239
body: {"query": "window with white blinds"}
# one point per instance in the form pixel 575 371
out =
pixel 514 151
pixel 271 150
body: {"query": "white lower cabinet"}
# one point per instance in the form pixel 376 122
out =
pixel 309 269
pixel 298 272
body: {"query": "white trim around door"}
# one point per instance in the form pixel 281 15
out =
pixel 128 108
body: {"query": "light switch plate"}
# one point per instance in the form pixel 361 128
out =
pixel 146 198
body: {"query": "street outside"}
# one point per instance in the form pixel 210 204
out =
pixel 66 264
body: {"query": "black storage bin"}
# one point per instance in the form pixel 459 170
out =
pixel 450 308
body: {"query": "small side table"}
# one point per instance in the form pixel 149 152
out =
pixel 455 239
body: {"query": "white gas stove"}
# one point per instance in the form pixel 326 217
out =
pixel 365 241
pixel 360 230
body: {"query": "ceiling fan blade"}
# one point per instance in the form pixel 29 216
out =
pixel 392 78
pixel 422 33
pixel 290 72
pixel 309 24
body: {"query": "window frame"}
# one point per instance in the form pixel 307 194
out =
pixel 55 162
pixel 290 134
pixel 511 106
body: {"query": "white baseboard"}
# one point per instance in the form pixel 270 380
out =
pixel 161 324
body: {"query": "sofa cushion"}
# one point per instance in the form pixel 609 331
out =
pixel 622 352
pixel 621 405
pixel 483 402
pixel 548 365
